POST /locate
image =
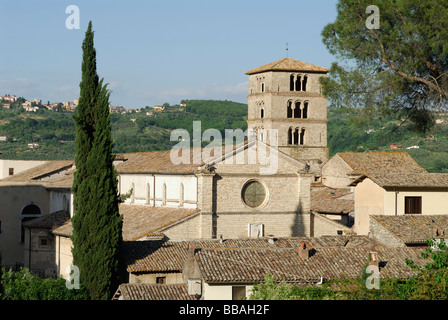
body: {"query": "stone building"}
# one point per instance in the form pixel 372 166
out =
pixel 285 99
pixel 345 167
pixel 398 194
pixel 29 195
pixel 255 189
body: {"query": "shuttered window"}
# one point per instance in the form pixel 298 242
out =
pixel 412 205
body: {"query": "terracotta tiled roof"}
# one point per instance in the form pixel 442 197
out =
pixel 161 161
pixel 41 171
pixel 154 256
pixel 329 200
pixel 48 221
pixel 145 291
pixel 154 162
pixel 413 228
pixel 414 180
pixel 140 221
pixel 288 64
pixel 169 256
pixel 284 264
pixel 390 162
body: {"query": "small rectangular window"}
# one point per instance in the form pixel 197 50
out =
pixel 412 205
pixel 161 280
pixel 11 171
pixel 238 292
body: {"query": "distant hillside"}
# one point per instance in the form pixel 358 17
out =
pixel 148 130
pixel 357 130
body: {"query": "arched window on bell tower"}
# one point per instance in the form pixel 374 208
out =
pixel 262 113
pixel 305 110
pixel 298 86
pixel 289 110
pixel 291 83
pixel 290 138
pixel 297 110
pixel 296 136
pixel 305 79
pixel 302 137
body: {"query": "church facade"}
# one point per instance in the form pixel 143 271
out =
pixel 287 115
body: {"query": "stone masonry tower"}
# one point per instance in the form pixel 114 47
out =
pixel 286 95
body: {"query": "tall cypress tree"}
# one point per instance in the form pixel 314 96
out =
pixel 97 224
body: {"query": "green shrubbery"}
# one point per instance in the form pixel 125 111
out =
pixel 23 285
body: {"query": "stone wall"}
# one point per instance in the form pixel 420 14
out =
pixel 335 173
pixel 273 98
pixel 383 235
pixel 13 199
pixel 323 226
pixel 169 278
pixel 42 255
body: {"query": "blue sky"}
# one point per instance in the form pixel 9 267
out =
pixel 152 52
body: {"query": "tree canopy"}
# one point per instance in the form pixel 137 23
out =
pixel 402 64
pixel 97 224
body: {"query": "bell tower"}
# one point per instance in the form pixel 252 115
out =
pixel 285 98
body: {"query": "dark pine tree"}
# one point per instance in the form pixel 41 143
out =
pixel 97 224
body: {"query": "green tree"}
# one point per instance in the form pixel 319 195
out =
pixel 96 222
pixel 23 285
pixel 431 283
pixel 402 65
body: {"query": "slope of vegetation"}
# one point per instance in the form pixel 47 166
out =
pixel 148 130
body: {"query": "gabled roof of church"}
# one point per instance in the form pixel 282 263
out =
pixel 140 221
pixel 288 64
pixel 154 162
pixel 252 143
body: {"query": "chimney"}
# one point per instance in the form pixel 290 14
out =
pixel 373 259
pixel 190 268
pixel 304 251
pixel 437 232
pixel 195 287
